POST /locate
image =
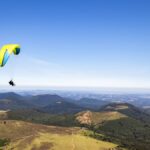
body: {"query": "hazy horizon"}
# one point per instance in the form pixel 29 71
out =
pixel 90 90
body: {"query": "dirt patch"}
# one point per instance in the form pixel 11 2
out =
pixel 44 146
pixel 85 118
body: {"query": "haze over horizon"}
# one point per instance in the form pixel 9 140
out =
pixel 77 43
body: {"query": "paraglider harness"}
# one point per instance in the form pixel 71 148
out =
pixel 11 83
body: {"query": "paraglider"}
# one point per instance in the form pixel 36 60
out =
pixel 5 53
pixel 11 82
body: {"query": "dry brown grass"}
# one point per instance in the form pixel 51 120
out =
pixel 3 114
pixel 117 107
pixel 28 136
pixel 89 117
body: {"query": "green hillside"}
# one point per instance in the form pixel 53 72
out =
pixel 37 116
pixel 119 123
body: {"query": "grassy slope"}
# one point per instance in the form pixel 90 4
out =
pixel 36 116
pixel 3 114
pixel 98 117
pixel 118 123
pixel 28 136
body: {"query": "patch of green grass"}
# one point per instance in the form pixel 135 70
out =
pixel 43 118
pixel 3 142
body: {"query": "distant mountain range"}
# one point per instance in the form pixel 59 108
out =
pixel 48 103
pixel 91 103
pixel 10 101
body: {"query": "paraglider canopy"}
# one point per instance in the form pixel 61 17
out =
pixel 6 51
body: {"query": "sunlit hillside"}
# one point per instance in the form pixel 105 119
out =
pixel 28 136
pixel 89 117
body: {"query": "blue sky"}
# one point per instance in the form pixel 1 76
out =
pixel 96 43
